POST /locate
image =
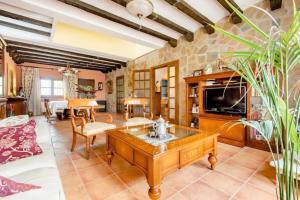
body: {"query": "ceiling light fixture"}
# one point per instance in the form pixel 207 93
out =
pixel 140 8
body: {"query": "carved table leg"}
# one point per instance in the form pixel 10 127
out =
pixel 154 193
pixel 109 156
pixel 212 159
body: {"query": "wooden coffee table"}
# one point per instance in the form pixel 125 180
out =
pixel 156 158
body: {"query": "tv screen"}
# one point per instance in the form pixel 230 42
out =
pixel 229 100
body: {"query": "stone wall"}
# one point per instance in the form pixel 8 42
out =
pixel 205 49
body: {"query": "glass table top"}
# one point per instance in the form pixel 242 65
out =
pixel 173 133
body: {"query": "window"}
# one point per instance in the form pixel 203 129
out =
pixel 51 87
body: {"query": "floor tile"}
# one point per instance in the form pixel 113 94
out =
pixel 235 170
pixel 124 195
pixel 249 192
pixel 82 163
pixel 201 191
pixel 131 176
pixel 101 188
pixel 222 182
pixel 93 172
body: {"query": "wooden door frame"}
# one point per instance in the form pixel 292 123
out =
pixel 119 77
pixel 175 64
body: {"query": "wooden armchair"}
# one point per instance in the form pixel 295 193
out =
pixel 129 104
pixel 86 125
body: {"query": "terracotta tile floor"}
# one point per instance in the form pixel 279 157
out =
pixel 241 173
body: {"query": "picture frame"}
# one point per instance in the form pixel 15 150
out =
pixel 109 86
pixel 100 86
pixel 198 72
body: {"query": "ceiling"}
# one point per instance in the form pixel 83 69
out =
pixel 69 25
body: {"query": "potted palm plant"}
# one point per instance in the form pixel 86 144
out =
pixel 267 66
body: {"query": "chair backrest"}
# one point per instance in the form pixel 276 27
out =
pixel 48 110
pixel 129 103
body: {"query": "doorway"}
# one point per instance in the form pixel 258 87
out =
pixel 120 93
pixel 164 88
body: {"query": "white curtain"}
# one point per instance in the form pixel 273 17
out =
pixel 70 86
pixel 32 89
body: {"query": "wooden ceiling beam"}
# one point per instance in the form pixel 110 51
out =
pixel 190 11
pixel 275 4
pixel 233 16
pixel 20 57
pixel 164 21
pixel 23 28
pixel 63 58
pixel 104 14
pixel 25 46
pixel 25 19
pixel 23 51
pixel 59 64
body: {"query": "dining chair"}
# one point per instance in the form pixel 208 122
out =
pixel 48 113
pixel 131 120
pixel 86 124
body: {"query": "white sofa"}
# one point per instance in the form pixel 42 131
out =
pixel 40 170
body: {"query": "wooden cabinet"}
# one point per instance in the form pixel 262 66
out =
pixel 207 121
pixel 234 135
pixel 16 106
pixel 3 108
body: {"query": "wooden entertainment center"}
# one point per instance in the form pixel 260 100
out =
pixel 197 117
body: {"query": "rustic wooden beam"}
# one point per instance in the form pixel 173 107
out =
pixel 233 16
pixel 164 21
pixel 58 64
pixel 37 48
pixel 104 14
pixel 25 19
pixel 63 58
pixel 275 4
pixel 190 11
pixel 67 62
pixel 23 28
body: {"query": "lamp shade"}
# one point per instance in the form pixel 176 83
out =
pixel 140 8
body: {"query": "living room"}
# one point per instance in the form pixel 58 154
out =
pixel 149 99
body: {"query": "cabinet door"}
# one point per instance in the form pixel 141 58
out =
pixel 236 133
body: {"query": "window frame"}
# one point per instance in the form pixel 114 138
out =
pixel 52 80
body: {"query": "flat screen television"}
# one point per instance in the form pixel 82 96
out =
pixel 226 100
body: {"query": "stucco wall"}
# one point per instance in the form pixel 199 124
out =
pixel 205 49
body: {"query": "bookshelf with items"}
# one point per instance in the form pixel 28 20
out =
pixel 192 104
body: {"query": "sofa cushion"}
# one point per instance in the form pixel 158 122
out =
pixel 42 132
pixel 46 159
pixel 14 120
pixel 10 187
pixel 17 142
pixel 95 127
pixel 47 178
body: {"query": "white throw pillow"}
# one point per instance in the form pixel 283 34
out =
pixel 14 120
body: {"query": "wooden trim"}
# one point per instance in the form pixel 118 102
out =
pixel 164 21
pixel 28 57
pixel 57 64
pixel 115 18
pixel 233 16
pixel 26 46
pixel 190 11
pixel 175 64
pixel 25 19
pixel 23 28
pixel 118 78
pixel 70 58
pixel 275 4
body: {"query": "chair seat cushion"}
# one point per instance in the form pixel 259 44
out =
pixel 95 127
pixel 135 121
